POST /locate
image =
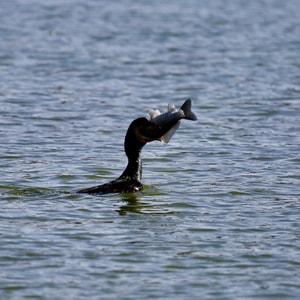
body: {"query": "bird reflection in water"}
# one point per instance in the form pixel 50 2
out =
pixel 132 204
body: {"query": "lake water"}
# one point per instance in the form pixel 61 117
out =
pixel 219 215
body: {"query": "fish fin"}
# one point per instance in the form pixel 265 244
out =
pixel 153 113
pixel 168 135
pixel 187 109
pixel 171 108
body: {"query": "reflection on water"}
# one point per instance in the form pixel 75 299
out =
pixel 132 204
pixel 147 201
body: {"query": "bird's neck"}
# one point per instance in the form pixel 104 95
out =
pixel 133 149
pixel 133 170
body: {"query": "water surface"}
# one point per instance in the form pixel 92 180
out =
pixel 219 215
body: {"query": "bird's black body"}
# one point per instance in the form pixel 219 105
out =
pixel 140 132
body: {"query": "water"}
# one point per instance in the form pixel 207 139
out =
pixel 219 215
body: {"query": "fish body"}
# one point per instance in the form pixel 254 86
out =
pixel 172 118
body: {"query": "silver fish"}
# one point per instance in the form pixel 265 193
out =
pixel 172 116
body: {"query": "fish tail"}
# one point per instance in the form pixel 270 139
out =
pixel 187 109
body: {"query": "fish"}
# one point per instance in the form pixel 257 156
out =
pixel 172 116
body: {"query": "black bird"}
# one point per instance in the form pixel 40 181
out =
pixel 140 132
